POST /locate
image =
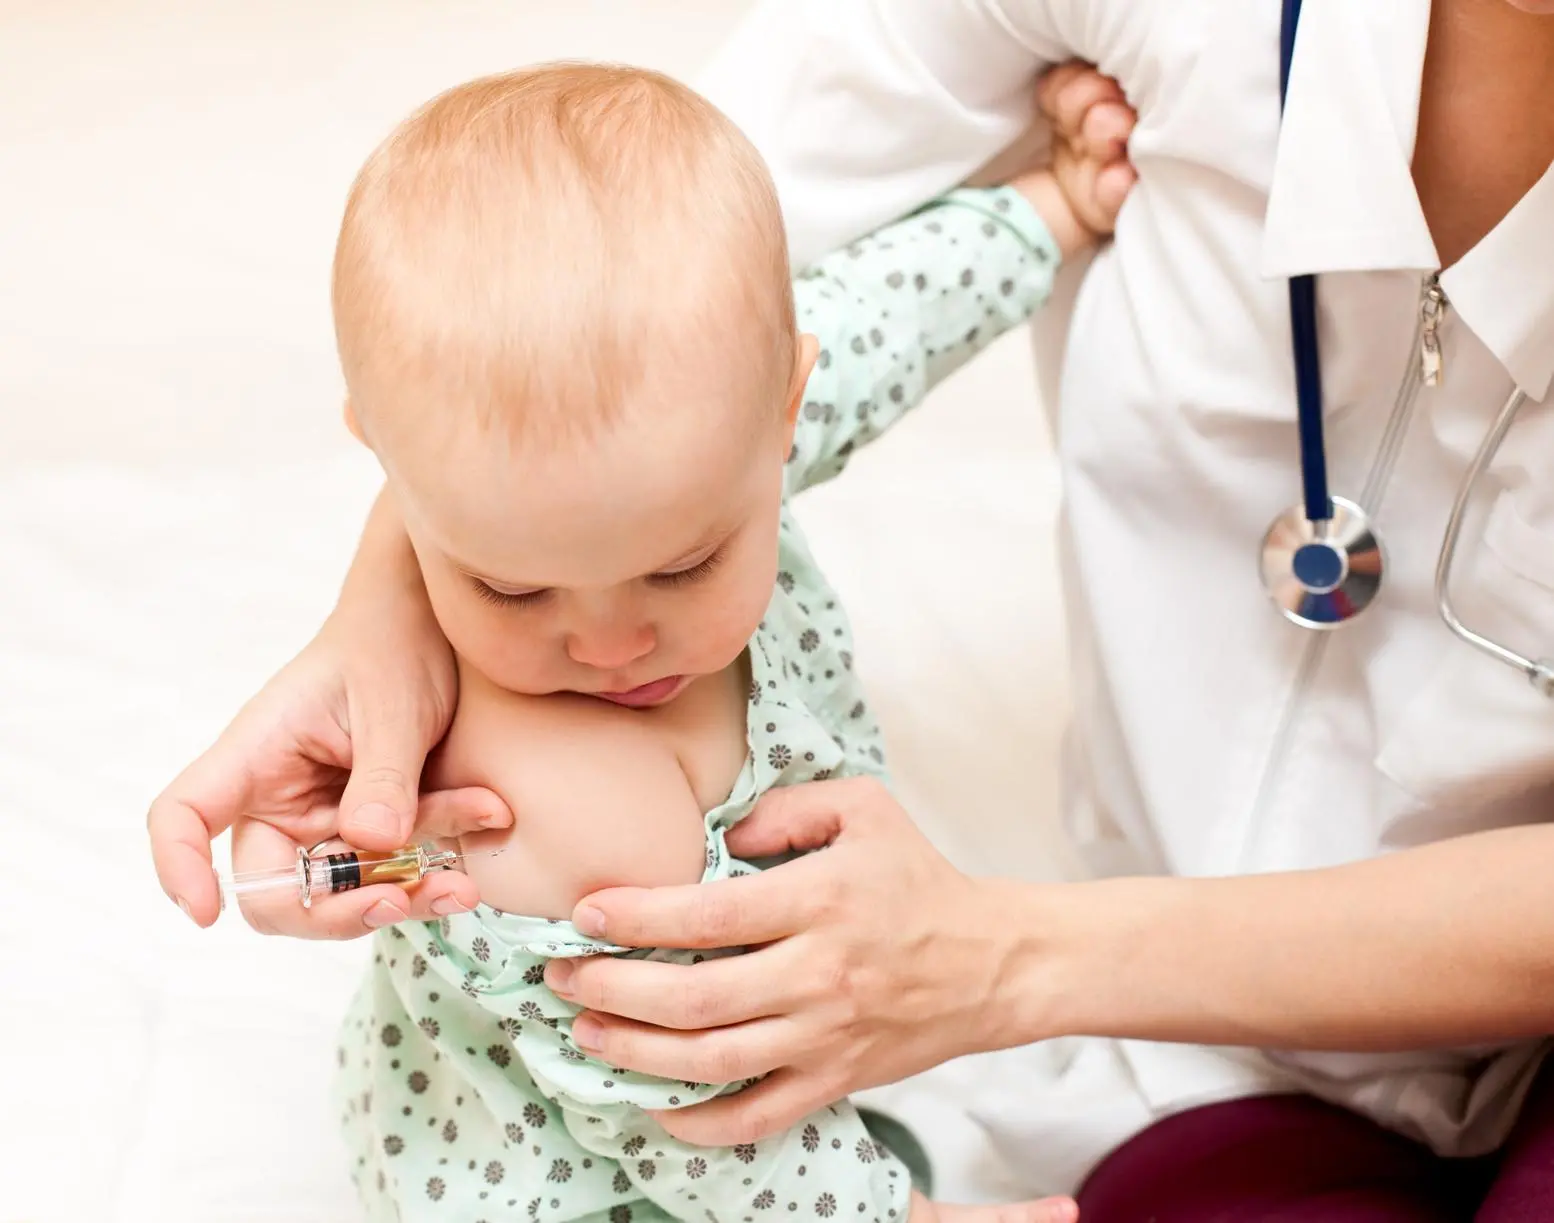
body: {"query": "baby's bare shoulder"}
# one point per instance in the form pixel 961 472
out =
pixel 598 796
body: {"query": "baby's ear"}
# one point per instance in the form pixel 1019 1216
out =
pixel 804 354
pixel 351 422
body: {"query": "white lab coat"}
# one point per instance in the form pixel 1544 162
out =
pixel 1211 736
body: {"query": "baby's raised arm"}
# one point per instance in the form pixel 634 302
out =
pixel 900 310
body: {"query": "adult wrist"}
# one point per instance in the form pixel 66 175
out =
pixel 1070 958
pixel 1022 978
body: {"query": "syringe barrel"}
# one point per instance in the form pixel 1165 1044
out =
pixel 346 871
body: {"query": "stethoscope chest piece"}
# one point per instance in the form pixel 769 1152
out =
pixel 1323 573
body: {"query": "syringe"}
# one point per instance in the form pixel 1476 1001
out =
pixel 343 870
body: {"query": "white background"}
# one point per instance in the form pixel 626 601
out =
pixel 178 500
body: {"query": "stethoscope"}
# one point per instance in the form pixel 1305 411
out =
pixel 1322 561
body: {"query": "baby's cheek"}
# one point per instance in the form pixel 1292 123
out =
pixel 730 617
pixel 512 658
pixel 504 657
pixel 494 640
pixel 465 621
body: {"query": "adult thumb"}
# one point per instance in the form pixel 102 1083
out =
pixel 377 810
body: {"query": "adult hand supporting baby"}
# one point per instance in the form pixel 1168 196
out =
pixel 333 746
pixel 875 959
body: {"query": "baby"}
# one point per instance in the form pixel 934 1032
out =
pixel 568 331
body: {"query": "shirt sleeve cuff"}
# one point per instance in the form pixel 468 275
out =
pixel 1009 208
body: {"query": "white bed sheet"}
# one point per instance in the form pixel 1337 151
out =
pixel 177 503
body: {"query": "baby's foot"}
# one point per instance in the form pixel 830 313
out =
pixel 1047 1210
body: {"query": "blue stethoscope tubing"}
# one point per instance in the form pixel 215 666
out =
pixel 1303 329
pixel 1322 562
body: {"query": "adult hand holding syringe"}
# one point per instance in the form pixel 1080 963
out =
pixel 333 746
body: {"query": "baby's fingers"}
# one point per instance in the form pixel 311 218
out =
pixel 1104 131
pixel 1068 92
pixel 1112 185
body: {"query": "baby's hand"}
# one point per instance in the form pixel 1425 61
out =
pixel 1081 191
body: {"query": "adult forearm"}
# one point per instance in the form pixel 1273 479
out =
pixel 1451 944
pixel 384 567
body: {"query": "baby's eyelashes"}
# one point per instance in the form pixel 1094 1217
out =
pixel 691 573
pixel 507 598
pixel 529 598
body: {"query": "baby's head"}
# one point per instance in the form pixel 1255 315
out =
pixel 564 314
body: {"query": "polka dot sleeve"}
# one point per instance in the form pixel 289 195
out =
pixel 900 310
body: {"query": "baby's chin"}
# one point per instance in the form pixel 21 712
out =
pixel 664 689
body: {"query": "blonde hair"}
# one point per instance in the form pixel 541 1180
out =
pixel 520 246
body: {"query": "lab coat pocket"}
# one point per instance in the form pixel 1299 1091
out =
pixel 1478 741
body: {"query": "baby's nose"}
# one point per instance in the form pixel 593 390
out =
pixel 611 647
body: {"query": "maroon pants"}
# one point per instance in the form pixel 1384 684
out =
pixel 1291 1159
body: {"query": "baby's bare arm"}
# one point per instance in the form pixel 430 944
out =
pixel 599 796
pixel 1080 193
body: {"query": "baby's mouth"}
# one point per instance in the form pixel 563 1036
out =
pixel 646 695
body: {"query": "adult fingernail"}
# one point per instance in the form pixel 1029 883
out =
pixel 383 914
pixel 446 906
pixel 587 1033
pixel 376 817
pixel 558 977
pixel 590 921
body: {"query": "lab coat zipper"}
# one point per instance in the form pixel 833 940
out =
pixel 1424 368
pixel 1432 309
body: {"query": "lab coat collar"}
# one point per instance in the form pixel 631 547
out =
pixel 1343 197
pixel 1504 289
